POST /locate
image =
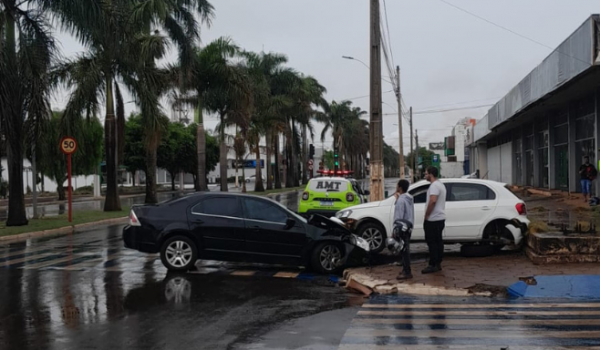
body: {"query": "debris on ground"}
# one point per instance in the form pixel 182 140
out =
pixel 494 291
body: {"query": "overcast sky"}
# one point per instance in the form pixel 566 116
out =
pixel 448 58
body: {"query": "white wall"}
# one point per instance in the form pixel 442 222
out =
pixel 500 164
pixel 452 169
pixel 49 185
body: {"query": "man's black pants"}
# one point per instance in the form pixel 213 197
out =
pixel 405 254
pixel 435 242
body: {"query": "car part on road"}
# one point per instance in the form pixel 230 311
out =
pixel 477 250
pixel 374 234
pixel 327 258
pixel 178 253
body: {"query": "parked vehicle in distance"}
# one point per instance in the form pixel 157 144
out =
pixel 238 227
pixel 482 215
pixel 326 195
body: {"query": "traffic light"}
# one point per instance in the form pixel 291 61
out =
pixel 336 159
pixel 311 152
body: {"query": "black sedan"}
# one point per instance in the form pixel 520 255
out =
pixel 237 227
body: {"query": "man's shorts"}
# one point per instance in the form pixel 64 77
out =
pixel 586 186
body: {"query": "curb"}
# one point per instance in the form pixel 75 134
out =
pixel 64 230
pixel 367 285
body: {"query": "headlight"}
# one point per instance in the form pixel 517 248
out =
pixel 361 243
pixel 343 214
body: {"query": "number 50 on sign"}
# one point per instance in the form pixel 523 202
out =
pixel 68 145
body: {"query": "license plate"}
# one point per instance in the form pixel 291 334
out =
pixel 327 204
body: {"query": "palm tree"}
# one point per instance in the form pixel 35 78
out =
pixel 26 53
pixel 307 96
pixel 119 46
pixel 349 131
pixel 220 86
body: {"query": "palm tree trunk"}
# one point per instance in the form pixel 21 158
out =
pixel 269 142
pixel 277 161
pixel 304 156
pixel 151 173
pixel 173 182
pixel 200 180
pixel 289 179
pixel 112 202
pixel 14 134
pixel 223 159
pixel 258 186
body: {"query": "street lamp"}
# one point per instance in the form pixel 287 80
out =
pixel 364 64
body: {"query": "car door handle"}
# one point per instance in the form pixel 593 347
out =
pixel 486 208
pixel 255 228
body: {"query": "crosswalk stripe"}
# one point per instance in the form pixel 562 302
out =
pixel 402 322
pixel 471 313
pixel 472 333
pixel 48 263
pixel 243 273
pixel 476 321
pixel 456 347
pixel 283 274
pixel 478 306
pixel 28 258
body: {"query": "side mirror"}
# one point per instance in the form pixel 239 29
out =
pixel 367 192
pixel 289 224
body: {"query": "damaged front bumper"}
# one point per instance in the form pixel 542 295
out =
pixel 357 252
pixel 518 229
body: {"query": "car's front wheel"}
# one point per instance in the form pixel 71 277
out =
pixel 178 253
pixel 326 258
pixel 374 234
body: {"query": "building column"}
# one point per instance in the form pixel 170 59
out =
pixel 483 163
pixel 573 171
pixel 536 158
pixel 597 138
pixel 523 178
pixel 551 157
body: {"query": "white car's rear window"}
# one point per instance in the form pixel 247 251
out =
pixel 328 184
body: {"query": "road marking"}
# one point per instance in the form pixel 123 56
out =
pixel 284 274
pixel 403 322
pixel 478 306
pixel 472 313
pixel 243 273
pixel 49 263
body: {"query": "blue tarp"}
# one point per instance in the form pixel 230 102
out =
pixel 566 286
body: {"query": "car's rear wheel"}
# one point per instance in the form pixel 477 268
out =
pixel 179 253
pixel 374 234
pixel 326 258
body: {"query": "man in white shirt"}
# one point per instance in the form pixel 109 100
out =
pixel 435 220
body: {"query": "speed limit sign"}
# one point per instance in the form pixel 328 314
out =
pixel 68 145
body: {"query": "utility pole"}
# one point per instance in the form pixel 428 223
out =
pixel 412 151
pixel 375 125
pixel 401 138
pixel 417 151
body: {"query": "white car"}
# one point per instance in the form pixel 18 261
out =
pixel 479 213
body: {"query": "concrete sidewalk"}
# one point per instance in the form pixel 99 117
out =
pixel 462 276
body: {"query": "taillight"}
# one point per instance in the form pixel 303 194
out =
pixel 305 196
pixel 349 197
pixel 133 220
pixel 521 208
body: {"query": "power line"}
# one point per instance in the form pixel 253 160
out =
pixel 432 111
pixel 387 24
pixel 511 31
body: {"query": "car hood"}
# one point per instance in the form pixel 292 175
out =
pixel 386 202
pixel 323 225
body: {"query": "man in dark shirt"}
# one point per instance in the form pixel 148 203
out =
pixel 587 173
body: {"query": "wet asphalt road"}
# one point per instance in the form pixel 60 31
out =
pixel 88 292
